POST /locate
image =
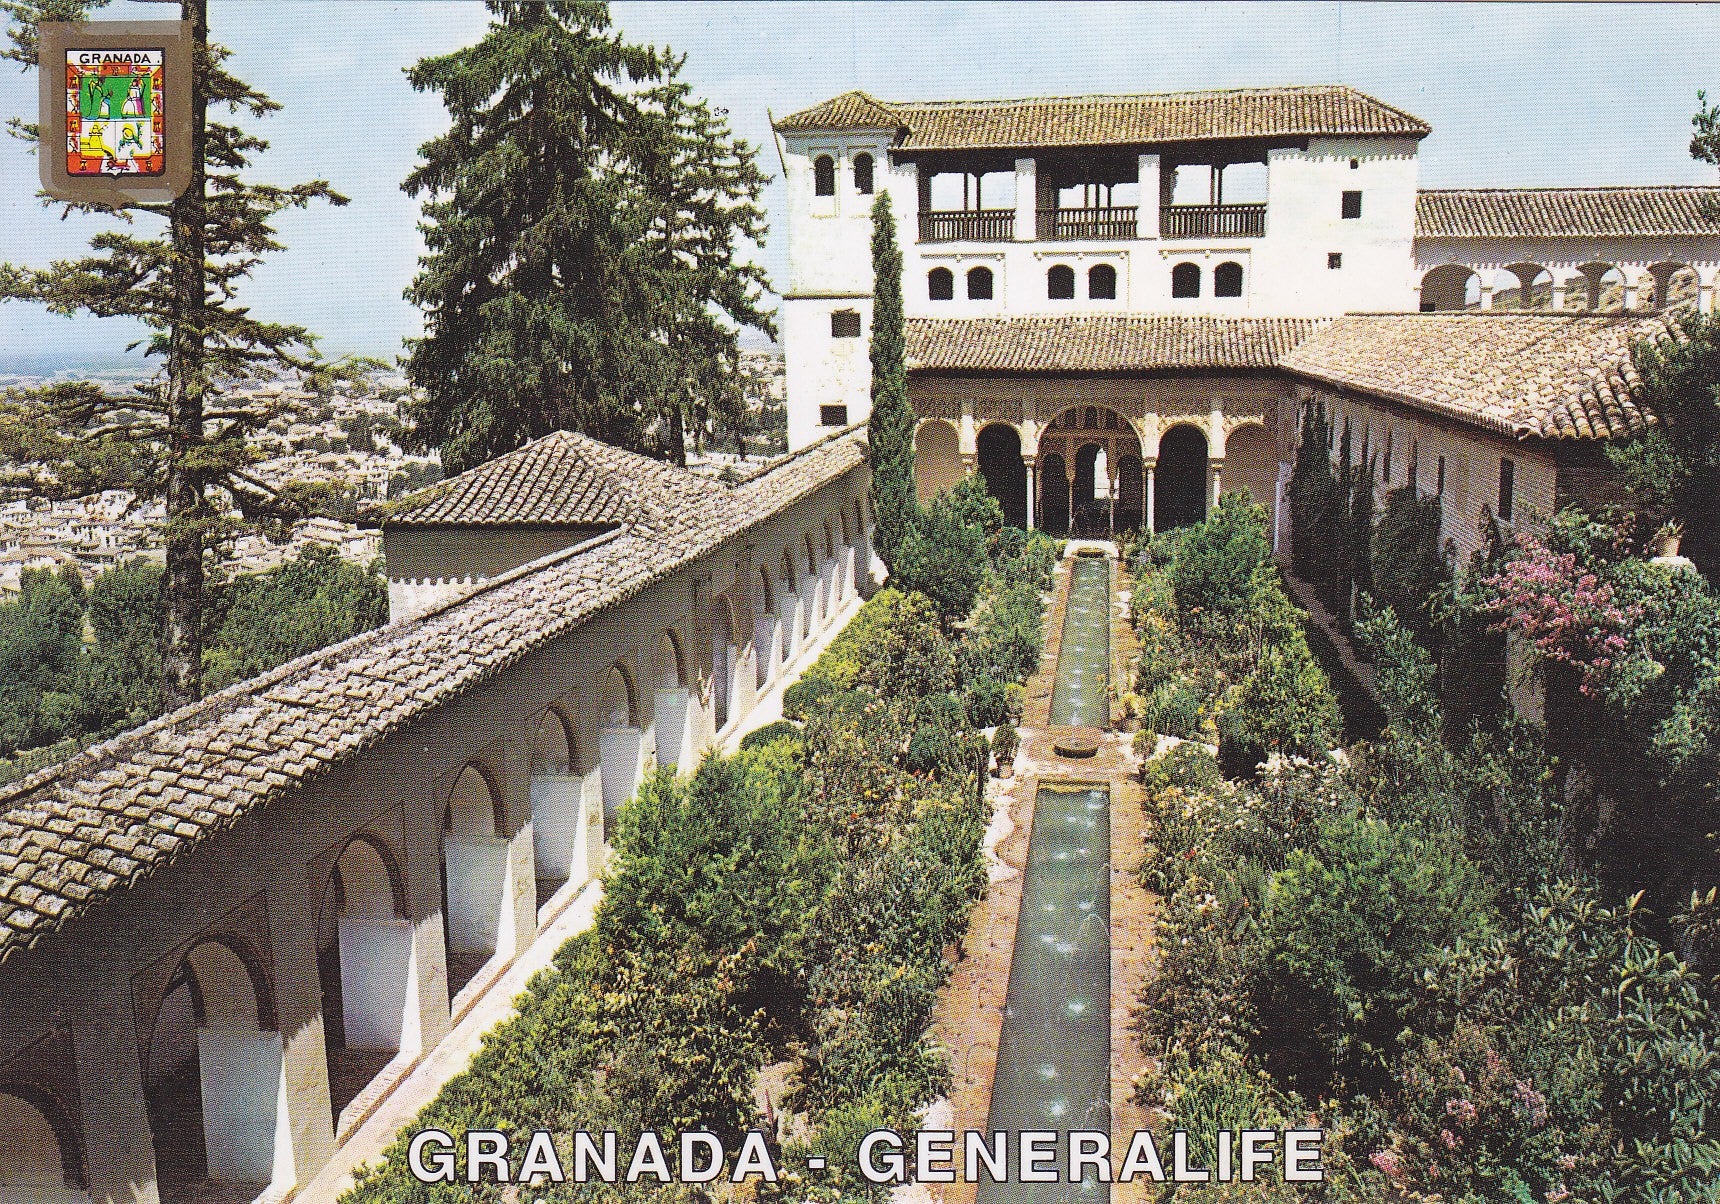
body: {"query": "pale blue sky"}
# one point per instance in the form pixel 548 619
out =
pixel 1517 94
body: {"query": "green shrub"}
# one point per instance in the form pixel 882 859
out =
pixel 943 554
pixel 986 702
pixel 1004 742
pixel 1285 707
pixel 782 729
pixel 1611 1049
pixel 801 698
pixel 1409 567
pixel 1350 924
pixel 1173 709
pixel 1213 571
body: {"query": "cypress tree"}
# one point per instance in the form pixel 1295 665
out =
pixel 582 220
pixel 183 437
pixel 1311 485
pixel 891 428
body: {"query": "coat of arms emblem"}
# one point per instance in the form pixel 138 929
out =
pixel 115 112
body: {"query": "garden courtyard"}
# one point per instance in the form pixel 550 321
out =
pixel 1385 906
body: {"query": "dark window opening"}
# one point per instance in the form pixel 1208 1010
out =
pixel 832 415
pixel 979 284
pixel 1386 465
pixel 1414 465
pixel 1060 283
pixel 1507 489
pixel 1227 280
pixel 1352 204
pixel 1185 280
pixel 1354 164
pixel 824 176
pixel 1439 483
pixel 845 324
pixel 941 284
pixel 863 174
pixel 1334 260
pixel 1102 282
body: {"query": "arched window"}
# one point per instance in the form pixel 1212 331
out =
pixel 863 174
pixel 1226 280
pixel 1060 283
pixel 979 284
pixel 1102 282
pixel 824 176
pixel 940 284
pixel 1185 280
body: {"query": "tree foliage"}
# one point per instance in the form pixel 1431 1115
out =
pixel 584 220
pixel 891 427
pixel 76 665
pixel 185 436
pixel 1672 470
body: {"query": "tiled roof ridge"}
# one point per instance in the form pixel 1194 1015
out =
pixel 788 458
pixel 133 804
pixel 1509 189
pixel 1113 97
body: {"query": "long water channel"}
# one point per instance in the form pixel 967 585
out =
pixel 1054 1053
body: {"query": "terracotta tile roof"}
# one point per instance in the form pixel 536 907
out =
pixel 849 111
pixel 564 479
pixel 1551 375
pixel 1108 343
pixel 1116 120
pixel 1669 210
pixel 101 820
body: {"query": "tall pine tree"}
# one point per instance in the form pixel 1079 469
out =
pixel 891 429
pixel 184 437
pixel 583 219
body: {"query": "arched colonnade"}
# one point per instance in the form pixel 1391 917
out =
pixel 1588 286
pixel 1090 470
pixel 217 1072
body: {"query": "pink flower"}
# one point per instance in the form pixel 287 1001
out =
pixel 1448 1139
pixel 1386 1162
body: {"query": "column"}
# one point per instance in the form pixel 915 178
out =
pixel 1147 215
pixel 294 1058
pixel 1486 295
pixel 1026 200
pixel 1070 494
pixel 621 752
pixel 1031 463
pixel 1631 286
pixel 1148 466
pixel 427 1017
pixel 967 439
pixel 519 891
pixel 1561 291
pixel 1217 467
pixel 119 1153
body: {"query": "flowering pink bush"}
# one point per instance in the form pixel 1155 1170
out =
pixel 1566 611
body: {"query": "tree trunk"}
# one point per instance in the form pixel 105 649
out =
pixel 182 587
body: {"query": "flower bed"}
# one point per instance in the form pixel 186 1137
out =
pixel 1383 943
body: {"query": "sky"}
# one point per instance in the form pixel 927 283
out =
pixel 1517 94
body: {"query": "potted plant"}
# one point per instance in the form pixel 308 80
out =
pixel 1666 539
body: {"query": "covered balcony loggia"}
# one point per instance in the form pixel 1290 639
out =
pixel 1215 197
pixel 1217 191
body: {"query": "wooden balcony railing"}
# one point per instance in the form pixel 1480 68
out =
pixel 1118 221
pixel 976 225
pixel 1212 221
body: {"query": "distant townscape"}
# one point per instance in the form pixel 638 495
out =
pixel 348 436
